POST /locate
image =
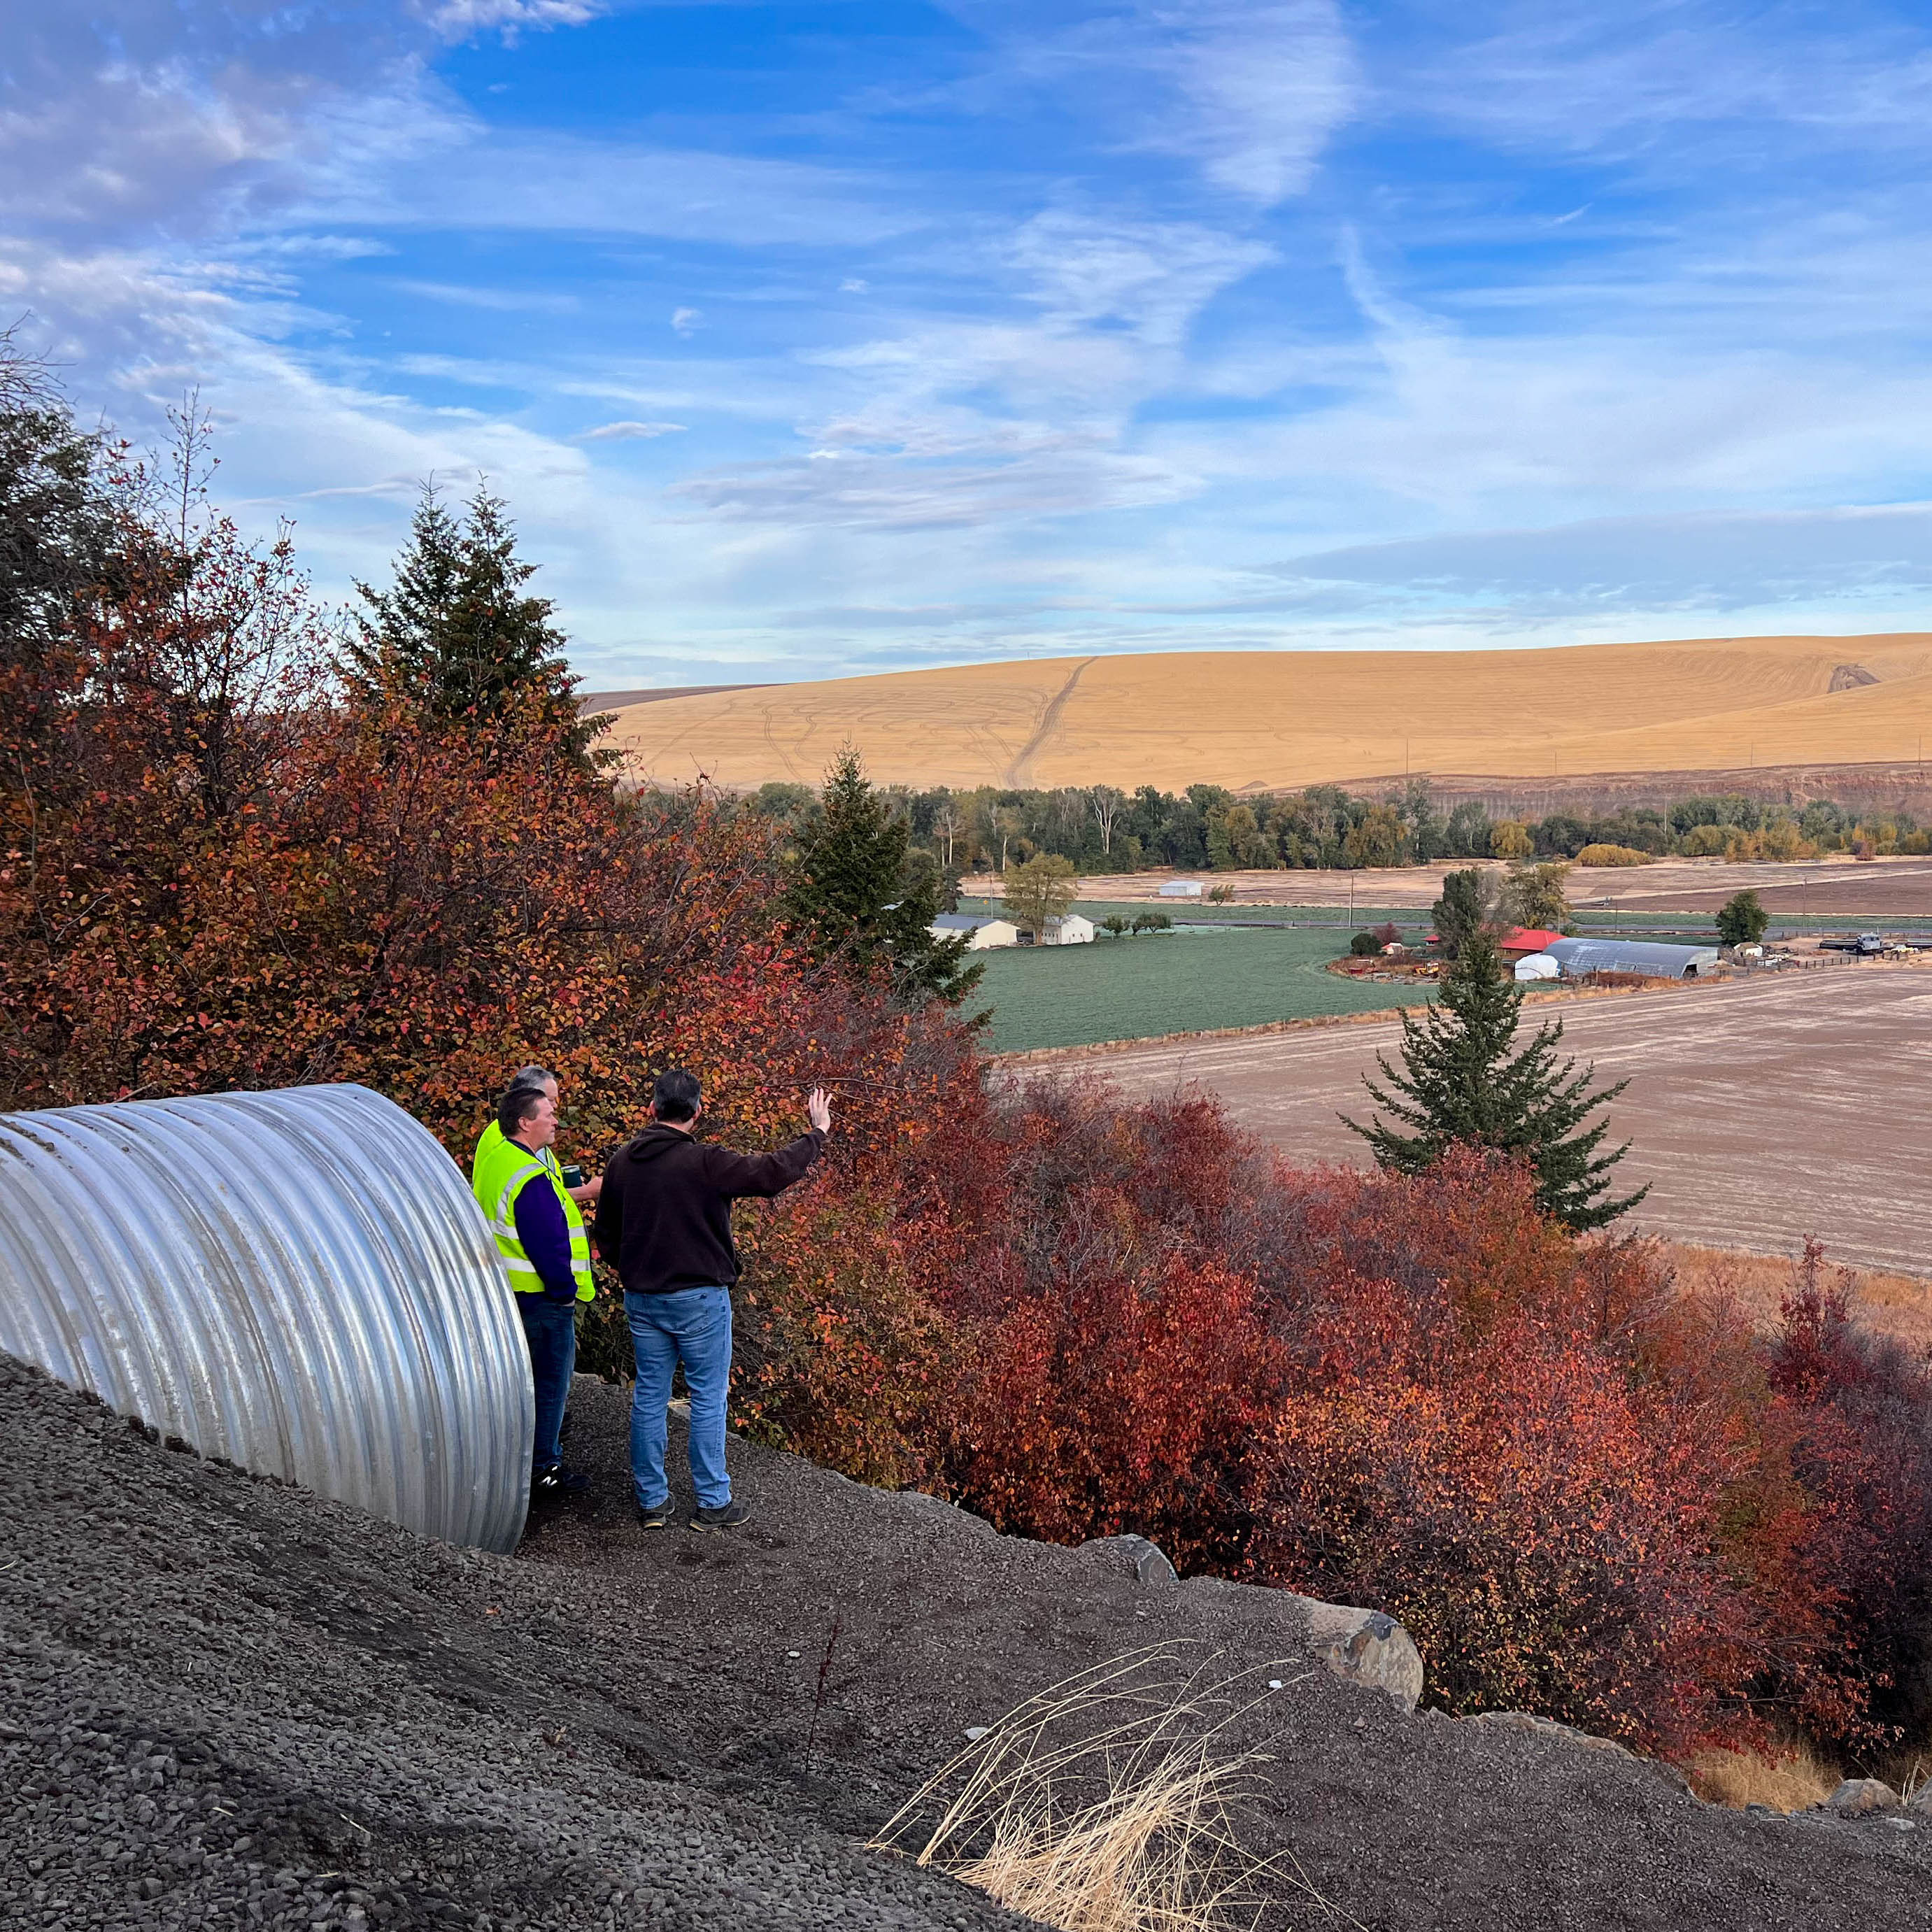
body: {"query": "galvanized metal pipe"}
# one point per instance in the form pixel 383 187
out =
pixel 299 1281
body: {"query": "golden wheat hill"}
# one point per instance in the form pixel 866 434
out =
pixel 1288 717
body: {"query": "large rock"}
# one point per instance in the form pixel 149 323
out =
pixel 1365 1647
pixel 1857 1796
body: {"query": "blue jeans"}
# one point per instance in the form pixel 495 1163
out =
pixel 693 1327
pixel 549 1327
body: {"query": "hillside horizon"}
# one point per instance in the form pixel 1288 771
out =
pixel 1251 720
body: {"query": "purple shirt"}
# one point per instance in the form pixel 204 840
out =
pixel 544 1234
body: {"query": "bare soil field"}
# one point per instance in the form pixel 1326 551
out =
pixel 1265 719
pixel 1759 1110
pixel 1899 888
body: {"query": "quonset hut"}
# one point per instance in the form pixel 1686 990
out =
pixel 1579 956
pixel 298 1281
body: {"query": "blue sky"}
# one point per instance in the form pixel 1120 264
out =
pixel 806 340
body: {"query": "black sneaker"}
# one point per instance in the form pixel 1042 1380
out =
pixel 557 1480
pixel 726 1516
pixel 659 1516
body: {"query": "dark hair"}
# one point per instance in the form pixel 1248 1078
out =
pixel 516 1105
pixel 676 1096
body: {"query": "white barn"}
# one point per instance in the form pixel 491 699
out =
pixel 1072 928
pixel 1180 889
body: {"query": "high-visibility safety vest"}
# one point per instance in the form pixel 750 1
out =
pixel 503 1168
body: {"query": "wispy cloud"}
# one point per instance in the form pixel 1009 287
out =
pixel 458 19
pixel 1250 93
pixel 629 432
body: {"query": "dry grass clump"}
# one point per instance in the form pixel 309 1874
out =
pixel 1897 1305
pixel 1791 1777
pixel 1109 1803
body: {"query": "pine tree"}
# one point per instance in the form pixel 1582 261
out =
pixel 1465 1080
pixel 859 894
pixel 455 636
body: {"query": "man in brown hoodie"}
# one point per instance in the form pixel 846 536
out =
pixel 664 1220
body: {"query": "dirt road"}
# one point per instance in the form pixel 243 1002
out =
pixel 1760 1111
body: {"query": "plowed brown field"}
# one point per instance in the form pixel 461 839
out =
pixel 1759 1110
pixel 1824 888
pixel 1292 717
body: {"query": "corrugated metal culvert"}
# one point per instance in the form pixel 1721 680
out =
pixel 1577 956
pixel 299 1281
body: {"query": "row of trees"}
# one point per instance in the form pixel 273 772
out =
pixel 1102 829
pixel 241 845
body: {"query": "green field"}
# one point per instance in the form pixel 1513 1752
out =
pixel 1171 982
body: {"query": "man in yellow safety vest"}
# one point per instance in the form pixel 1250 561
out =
pixel 584 1193
pixel 540 1234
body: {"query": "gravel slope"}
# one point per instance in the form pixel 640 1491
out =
pixel 224 1702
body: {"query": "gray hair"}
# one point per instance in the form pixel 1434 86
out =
pixel 534 1076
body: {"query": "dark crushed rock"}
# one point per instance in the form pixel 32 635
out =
pixel 225 1703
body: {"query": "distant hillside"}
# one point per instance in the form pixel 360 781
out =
pixel 1246 719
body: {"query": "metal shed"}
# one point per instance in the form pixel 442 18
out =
pixel 1577 956
pixel 299 1281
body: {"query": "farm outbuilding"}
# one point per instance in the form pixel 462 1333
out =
pixel 1579 956
pixel 1074 928
pixel 1180 889
pixel 1538 966
pixel 1522 940
pixel 980 931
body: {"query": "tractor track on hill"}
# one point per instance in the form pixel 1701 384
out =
pixel 1020 772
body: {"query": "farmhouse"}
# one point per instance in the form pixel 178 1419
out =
pixel 979 930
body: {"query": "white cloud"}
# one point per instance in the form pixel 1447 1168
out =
pixel 1250 90
pixel 530 301
pixel 563 184
pixel 458 19
pixel 686 321
pixel 623 432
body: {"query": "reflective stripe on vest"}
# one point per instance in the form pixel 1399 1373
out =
pixel 501 1170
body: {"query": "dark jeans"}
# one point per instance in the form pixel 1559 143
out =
pixel 549 1327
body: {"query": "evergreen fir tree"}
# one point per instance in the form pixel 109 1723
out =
pixel 455 635
pixel 1464 1079
pixel 859 894
pixel 1467 906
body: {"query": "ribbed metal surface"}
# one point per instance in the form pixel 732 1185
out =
pixel 299 1281
pixel 1631 955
